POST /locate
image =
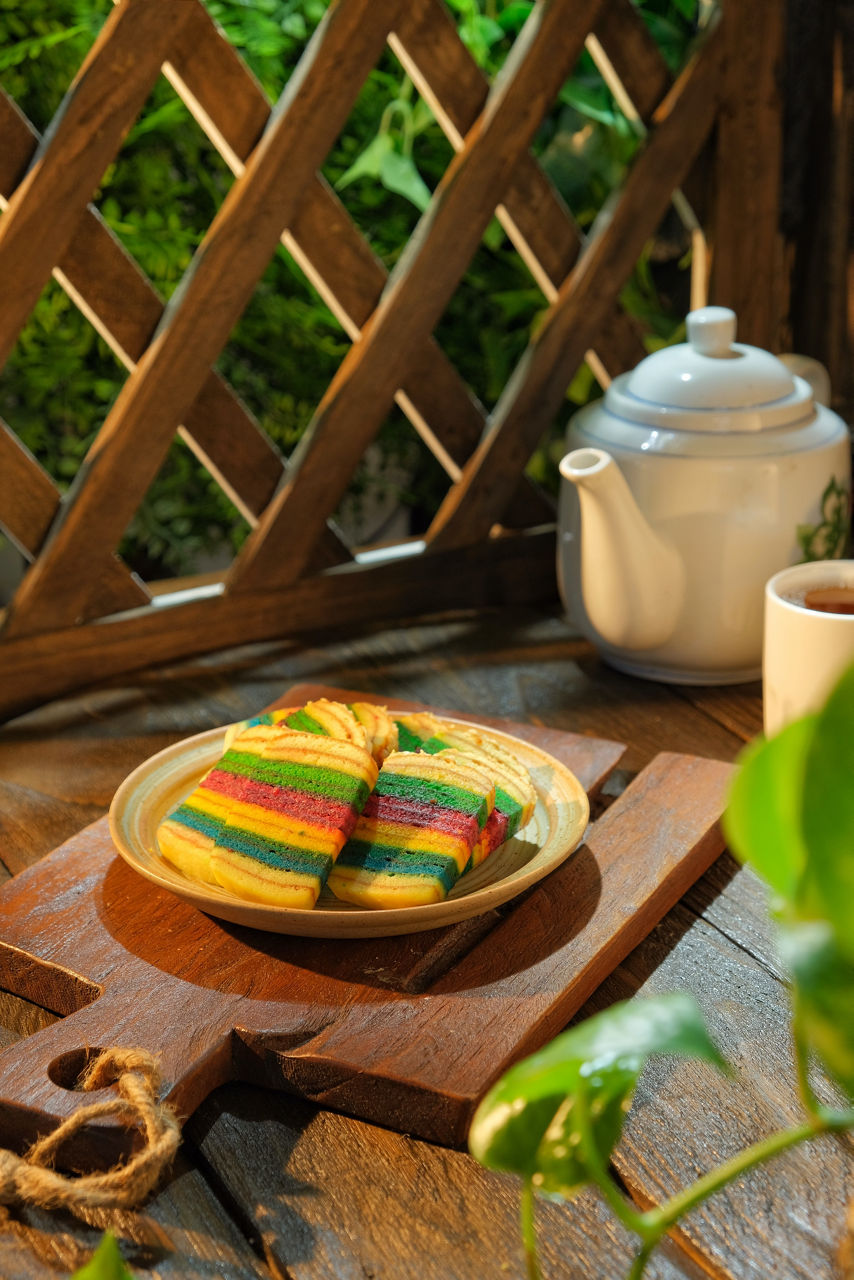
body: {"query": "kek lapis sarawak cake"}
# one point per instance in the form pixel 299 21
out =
pixel 418 832
pixel 268 821
pixel 319 795
pixel 515 797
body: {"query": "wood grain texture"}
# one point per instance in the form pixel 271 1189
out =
pixel 533 214
pixel 336 1197
pixel 515 568
pixel 28 497
pixel 788 1216
pixel 29 502
pixel 200 316
pixel 747 264
pixel 104 99
pixel 539 382
pixel 634 55
pixel 112 292
pixel 419 288
pixel 324 241
pixel 317 1192
pixel 340 1035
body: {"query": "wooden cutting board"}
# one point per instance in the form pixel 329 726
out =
pixel 404 1031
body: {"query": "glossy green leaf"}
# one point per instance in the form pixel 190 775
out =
pixel 533 1121
pixel 369 162
pixel 513 18
pixel 762 822
pixel 823 977
pixel 590 99
pixel 828 814
pixel 106 1263
pixel 399 174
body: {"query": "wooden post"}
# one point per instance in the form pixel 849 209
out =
pixel 747 271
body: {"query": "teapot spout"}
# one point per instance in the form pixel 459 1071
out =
pixel 632 579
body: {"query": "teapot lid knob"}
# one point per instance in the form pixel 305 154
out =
pixel 711 330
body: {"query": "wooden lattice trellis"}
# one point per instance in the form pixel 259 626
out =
pixel 79 613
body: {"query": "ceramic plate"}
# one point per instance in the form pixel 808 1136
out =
pixel 160 784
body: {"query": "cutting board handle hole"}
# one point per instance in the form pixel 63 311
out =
pixel 67 1070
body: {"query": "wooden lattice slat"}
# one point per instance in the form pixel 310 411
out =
pixel 291 574
pixel 201 315
pixel 634 55
pixel 680 127
pixel 331 251
pixel 30 500
pixel 534 216
pixel 419 289
pixel 112 292
pixel 105 99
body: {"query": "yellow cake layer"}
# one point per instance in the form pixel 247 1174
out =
pixel 189 850
pixel 383 891
pixel 248 878
pixel 380 729
pixel 323 753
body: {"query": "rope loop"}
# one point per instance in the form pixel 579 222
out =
pixel 31 1179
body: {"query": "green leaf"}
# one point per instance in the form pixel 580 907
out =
pixel 399 174
pixel 688 9
pixel 35 46
pixel 513 18
pixel 590 99
pixel 823 979
pixel 534 1120
pixel 369 162
pixel 762 822
pixel 828 814
pixel 106 1263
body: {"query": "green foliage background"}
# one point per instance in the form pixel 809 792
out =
pixel 167 183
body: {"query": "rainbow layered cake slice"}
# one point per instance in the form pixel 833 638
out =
pixel 417 832
pixel 268 821
pixel 515 797
pixel 334 720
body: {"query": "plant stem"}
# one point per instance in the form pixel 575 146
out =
pixel 659 1220
pixel 640 1260
pixel 529 1234
pixel 811 1103
pixel 627 1214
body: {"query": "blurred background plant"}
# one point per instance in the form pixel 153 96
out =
pixel 166 185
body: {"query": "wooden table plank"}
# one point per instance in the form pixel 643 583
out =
pixel 342 1200
pixel 296 1178
pixel 786 1218
pixel 515 567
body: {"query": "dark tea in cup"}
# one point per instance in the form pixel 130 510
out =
pixel 829 599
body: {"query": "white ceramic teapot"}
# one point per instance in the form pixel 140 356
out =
pixel 702 472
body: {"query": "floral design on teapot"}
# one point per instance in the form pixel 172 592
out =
pixel 827 539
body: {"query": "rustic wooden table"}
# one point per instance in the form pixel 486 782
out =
pixel 271 1186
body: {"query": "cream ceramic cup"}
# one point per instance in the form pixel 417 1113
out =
pixel 805 651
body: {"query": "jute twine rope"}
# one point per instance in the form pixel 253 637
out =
pixel 29 1179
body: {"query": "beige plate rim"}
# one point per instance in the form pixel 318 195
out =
pixel 156 786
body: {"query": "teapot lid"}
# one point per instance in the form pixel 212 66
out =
pixel 711 383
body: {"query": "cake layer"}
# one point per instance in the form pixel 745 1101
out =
pixel 268 821
pixel 515 797
pixel 357 722
pixel 417 833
